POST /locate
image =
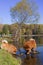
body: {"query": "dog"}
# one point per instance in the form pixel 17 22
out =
pixel 30 45
pixel 8 47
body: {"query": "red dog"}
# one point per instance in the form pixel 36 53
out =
pixel 30 45
pixel 9 47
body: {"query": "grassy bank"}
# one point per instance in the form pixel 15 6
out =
pixel 7 59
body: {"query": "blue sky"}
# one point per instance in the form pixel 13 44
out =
pixel 5 6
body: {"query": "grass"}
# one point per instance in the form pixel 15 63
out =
pixel 7 59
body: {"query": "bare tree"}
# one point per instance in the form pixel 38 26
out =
pixel 24 12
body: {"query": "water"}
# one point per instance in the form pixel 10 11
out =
pixel 32 59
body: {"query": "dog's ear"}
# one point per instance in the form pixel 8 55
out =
pixel 4 41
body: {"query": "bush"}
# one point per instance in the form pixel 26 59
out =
pixel 7 59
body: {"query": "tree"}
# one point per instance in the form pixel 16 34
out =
pixel 13 28
pixel 24 12
pixel 6 29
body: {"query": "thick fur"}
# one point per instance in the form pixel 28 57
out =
pixel 30 45
pixel 9 47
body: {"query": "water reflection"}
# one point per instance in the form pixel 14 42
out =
pixel 29 60
pixel 33 59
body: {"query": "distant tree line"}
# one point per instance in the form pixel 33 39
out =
pixel 27 29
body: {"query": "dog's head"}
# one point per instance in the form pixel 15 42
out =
pixel 4 41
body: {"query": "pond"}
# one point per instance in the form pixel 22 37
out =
pixel 33 59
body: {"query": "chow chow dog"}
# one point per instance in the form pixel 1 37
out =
pixel 30 45
pixel 8 47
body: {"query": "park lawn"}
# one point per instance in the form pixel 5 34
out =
pixel 7 59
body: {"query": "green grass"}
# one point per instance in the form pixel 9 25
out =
pixel 7 59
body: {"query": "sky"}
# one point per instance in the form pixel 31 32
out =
pixel 5 5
